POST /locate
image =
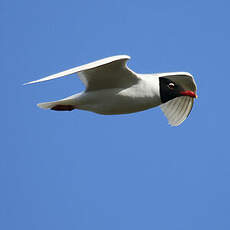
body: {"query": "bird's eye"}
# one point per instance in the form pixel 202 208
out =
pixel 171 85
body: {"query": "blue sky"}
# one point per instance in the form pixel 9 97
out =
pixel 80 170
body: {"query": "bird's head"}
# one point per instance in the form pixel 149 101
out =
pixel 177 84
pixel 177 93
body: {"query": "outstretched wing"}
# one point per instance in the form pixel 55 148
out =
pixel 111 72
pixel 177 109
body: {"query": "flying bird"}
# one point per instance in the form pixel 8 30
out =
pixel 113 88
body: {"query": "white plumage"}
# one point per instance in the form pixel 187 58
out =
pixel 112 88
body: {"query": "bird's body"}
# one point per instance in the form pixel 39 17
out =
pixel 136 98
pixel 112 88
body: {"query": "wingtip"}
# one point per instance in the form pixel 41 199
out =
pixel 29 83
pixel 38 81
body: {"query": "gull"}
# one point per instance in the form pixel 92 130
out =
pixel 113 88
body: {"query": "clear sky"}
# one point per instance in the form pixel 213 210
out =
pixel 80 170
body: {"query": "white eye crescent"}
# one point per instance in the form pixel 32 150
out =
pixel 171 85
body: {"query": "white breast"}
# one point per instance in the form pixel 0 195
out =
pixel 141 96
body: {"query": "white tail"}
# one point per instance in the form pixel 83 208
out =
pixel 47 105
pixel 61 105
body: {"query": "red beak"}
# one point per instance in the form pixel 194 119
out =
pixel 188 93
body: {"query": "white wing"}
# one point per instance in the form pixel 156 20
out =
pixel 110 72
pixel 177 110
